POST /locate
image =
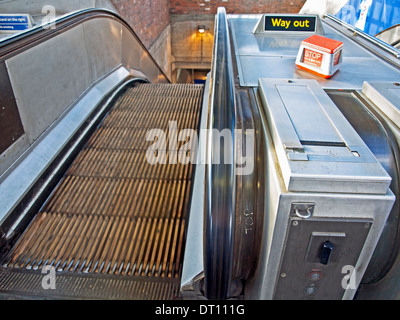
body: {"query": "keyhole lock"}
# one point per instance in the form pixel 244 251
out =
pixel 326 252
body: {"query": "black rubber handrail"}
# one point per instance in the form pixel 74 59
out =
pixel 220 169
pixel 20 42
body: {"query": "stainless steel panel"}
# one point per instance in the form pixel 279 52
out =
pixel 386 96
pixel 391 36
pixel 147 67
pixel 46 81
pixel 269 56
pixel 308 119
pixel 318 150
pixel 131 51
pixel 193 264
pixel 103 48
pixel 351 76
pixel 302 274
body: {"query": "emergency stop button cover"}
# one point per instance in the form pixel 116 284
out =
pixel 320 55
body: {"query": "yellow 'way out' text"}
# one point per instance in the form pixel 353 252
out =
pixel 286 24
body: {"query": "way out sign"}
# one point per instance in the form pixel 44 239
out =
pixel 11 23
pixel 289 23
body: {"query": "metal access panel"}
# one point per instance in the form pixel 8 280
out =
pixel 386 96
pixel 328 196
pixel 317 148
pixel 318 256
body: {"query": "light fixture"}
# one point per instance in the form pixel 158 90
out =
pixel 201 29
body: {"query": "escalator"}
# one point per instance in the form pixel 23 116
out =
pixel 101 217
pixel 114 221
pixel 294 179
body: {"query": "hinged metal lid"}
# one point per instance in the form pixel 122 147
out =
pixel 386 96
pixel 318 150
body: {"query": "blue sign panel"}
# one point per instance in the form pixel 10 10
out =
pixel 371 16
pixel 14 22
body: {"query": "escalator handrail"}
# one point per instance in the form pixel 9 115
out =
pixel 220 178
pixel 22 41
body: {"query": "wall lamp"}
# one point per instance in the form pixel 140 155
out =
pixel 201 29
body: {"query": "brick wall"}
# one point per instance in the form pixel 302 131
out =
pixel 148 18
pixel 235 6
pixel 168 28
